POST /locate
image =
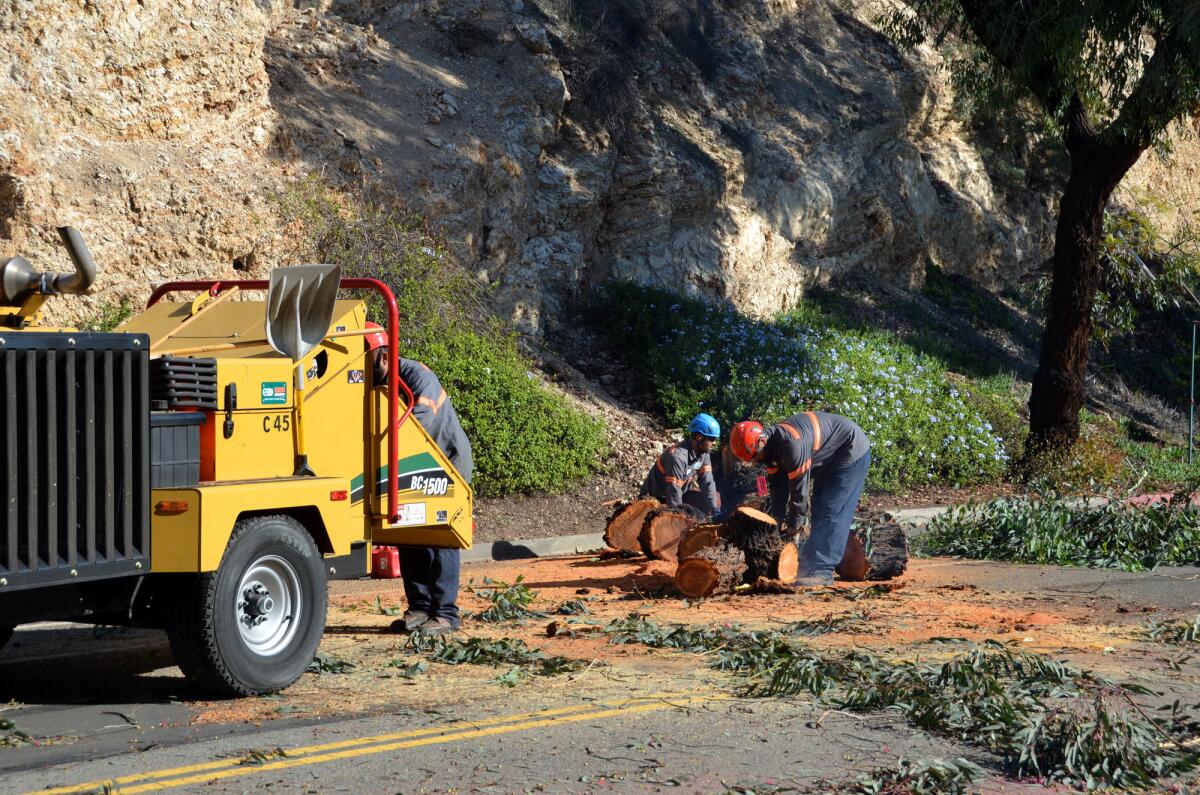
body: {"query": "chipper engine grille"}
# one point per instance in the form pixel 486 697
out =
pixel 74 457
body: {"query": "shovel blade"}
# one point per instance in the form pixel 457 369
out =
pixel 300 302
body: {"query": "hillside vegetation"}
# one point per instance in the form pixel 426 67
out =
pixel 525 437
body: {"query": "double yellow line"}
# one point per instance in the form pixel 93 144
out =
pixel 365 746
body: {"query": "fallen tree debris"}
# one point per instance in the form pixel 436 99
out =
pixel 624 528
pixel 662 532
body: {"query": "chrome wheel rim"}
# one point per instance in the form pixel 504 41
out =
pixel 267 605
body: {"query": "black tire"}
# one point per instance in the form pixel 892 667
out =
pixel 234 646
pixel 5 635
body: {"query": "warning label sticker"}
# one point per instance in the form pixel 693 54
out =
pixel 274 393
pixel 411 513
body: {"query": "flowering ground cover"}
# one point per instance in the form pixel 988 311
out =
pixel 697 357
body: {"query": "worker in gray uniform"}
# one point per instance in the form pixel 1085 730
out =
pixel 836 454
pixel 682 475
pixel 430 574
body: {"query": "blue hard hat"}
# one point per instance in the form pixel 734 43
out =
pixel 705 424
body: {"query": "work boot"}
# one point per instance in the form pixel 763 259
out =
pixel 411 622
pixel 813 580
pixel 437 626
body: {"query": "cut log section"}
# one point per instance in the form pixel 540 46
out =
pixel 663 530
pixel 876 550
pixel 888 551
pixel 757 535
pixel 787 564
pixel 717 569
pixel 747 521
pixel 854 565
pixel 699 537
pixel 624 527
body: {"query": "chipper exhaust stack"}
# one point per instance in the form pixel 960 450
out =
pixel 19 280
pixel 207 467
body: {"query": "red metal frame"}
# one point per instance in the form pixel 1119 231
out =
pixel 214 286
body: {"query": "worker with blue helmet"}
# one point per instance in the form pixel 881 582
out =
pixel 682 475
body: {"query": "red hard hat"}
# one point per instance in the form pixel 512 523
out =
pixel 378 339
pixel 746 439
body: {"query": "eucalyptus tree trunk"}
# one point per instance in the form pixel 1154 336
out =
pixel 1059 386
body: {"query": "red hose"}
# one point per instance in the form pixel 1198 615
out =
pixel 395 419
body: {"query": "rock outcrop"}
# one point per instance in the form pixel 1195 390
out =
pixel 740 150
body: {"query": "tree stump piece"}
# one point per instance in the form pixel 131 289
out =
pixel 711 570
pixel 663 530
pixel 757 535
pixel 624 527
pixel 887 551
pixel 854 565
pixel 699 537
pixel 787 563
pixel 876 550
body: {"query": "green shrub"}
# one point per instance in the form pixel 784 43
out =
pixel 524 437
pixel 922 427
pixel 1065 531
pixel 1158 465
pixel 109 315
pixel 1001 401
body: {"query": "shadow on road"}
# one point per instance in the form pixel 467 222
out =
pixel 69 664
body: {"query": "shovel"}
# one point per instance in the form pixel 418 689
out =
pixel 300 302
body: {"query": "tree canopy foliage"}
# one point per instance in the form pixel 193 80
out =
pixel 1108 77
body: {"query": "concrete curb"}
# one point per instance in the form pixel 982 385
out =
pixel 913 520
pixel 534 548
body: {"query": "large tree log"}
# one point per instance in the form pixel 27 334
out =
pixel 887 551
pixel 663 530
pixel 624 527
pixel 699 537
pixel 877 550
pixel 757 535
pixel 711 570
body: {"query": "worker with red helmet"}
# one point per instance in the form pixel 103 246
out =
pixel 836 453
pixel 430 574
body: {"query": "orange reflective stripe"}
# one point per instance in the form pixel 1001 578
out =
pixel 705 469
pixel 674 481
pixel 816 429
pixel 424 401
pixel 800 470
pixel 442 399
pixel 795 433
pixel 658 465
pixel 772 470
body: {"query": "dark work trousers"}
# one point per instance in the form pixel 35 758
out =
pixel 431 581
pixel 834 497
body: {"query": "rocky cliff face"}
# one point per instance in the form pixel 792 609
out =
pixel 739 149
pixel 147 125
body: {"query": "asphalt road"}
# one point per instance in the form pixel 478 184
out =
pixel 693 741
pixel 117 715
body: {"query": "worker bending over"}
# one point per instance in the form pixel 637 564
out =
pixel 430 574
pixel 682 475
pixel 836 453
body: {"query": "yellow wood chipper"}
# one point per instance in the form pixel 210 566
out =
pixel 207 467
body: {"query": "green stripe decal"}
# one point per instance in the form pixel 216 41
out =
pixel 414 463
